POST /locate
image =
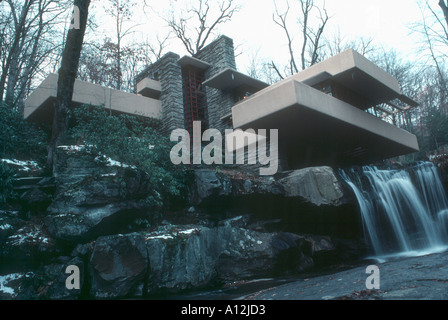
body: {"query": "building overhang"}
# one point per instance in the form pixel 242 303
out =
pixel 39 106
pixel 149 88
pixel 355 72
pixel 318 129
pixel 186 61
pixel 232 79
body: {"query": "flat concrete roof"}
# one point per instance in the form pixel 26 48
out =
pixel 318 78
pixel 359 74
pixel 231 79
pixel 39 106
pixel 318 129
pixel 194 62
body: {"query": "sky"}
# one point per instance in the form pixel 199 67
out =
pixel 253 30
pixel 386 21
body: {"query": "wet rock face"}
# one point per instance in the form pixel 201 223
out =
pixel 316 186
pixel 310 200
pixel 181 259
pixel 118 266
pixel 95 200
pixel 198 256
pixel 236 226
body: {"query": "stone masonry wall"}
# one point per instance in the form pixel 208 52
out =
pixel 220 55
pixel 170 77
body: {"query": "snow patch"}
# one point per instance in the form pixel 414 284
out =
pixel 113 163
pixel 4 281
pixel 162 236
pixel 10 213
pixel 5 226
pixel 109 175
pixel 31 237
pixel 170 234
pixel 189 231
pixel 73 148
pixel 23 165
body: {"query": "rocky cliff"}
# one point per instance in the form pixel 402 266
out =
pixel 233 226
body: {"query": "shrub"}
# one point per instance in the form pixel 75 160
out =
pixel 6 186
pixel 132 142
pixel 19 139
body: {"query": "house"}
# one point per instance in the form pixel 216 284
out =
pixel 320 113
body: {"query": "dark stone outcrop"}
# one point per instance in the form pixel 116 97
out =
pixel 93 200
pixel 317 186
pixel 235 226
pixel 118 266
pixel 191 257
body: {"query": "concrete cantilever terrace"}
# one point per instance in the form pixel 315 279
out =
pixel 39 106
pixel 321 118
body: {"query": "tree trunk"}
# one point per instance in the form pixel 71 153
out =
pixel 444 7
pixel 66 80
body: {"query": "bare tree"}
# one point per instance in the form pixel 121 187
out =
pixel 33 23
pixel 280 19
pixel 260 68
pixel 434 31
pixel 337 43
pixel 311 35
pixel 195 25
pixel 19 18
pixel 122 12
pixel 66 79
pixel 157 49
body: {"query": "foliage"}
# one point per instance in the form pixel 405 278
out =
pixel 6 187
pixel 132 142
pixel 437 124
pixel 19 139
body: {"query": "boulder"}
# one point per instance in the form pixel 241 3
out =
pixel 209 184
pixel 190 257
pixel 318 186
pixel 118 266
pixel 251 254
pixel 85 225
pixel 93 200
pixel 182 258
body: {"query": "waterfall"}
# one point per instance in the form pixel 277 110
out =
pixel 404 212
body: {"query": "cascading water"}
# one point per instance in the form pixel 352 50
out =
pixel 404 212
